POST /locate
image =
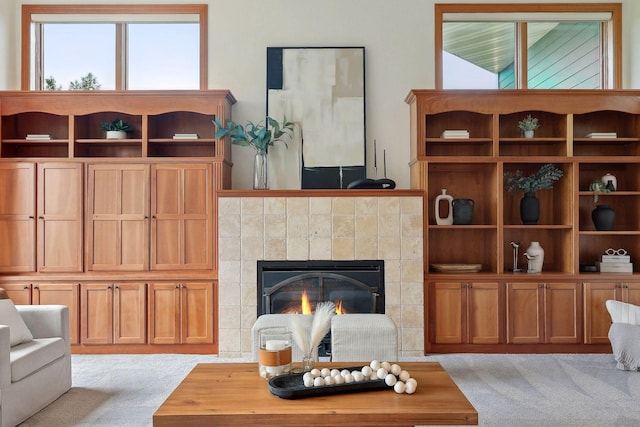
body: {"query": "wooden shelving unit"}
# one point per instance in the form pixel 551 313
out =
pixel 474 168
pixel 105 224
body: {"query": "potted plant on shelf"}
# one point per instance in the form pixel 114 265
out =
pixel 116 129
pixel 542 179
pixel 603 216
pixel 258 136
pixel 528 125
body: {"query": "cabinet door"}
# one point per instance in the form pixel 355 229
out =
pixel 484 313
pixel 563 313
pixel 60 206
pixel 596 317
pixel 525 313
pixel 97 313
pixel 129 316
pixel 64 294
pixel 164 313
pixel 197 313
pixel 631 293
pixel 117 218
pixel 447 322
pixel 19 293
pixel 17 217
pixel 182 217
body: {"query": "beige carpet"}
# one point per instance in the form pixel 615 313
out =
pixel 506 389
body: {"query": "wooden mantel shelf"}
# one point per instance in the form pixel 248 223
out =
pixel 321 193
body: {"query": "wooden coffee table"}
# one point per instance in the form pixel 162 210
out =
pixel 233 394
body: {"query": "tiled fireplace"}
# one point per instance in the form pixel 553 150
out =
pixel 319 227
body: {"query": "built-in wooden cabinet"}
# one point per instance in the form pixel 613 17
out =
pixel 181 313
pixel 115 214
pixel 49 293
pixel 466 313
pixel 540 313
pixel 586 134
pixel 596 317
pixel 113 313
pixel 41 209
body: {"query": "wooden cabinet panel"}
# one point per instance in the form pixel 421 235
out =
pixel 596 317
pixel 63 294
pixel 182 217
pixel 17 217
pixel 19 293
pixel 60 208
pixel 467 313
pixel 113 313
pixel 181 313
pixel 164 313
pixel 197 313
pixel 129 313
pixel 117 217
pixel 544 313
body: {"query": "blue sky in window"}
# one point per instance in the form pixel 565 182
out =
pixel 161 56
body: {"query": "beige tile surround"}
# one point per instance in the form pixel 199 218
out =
pixel 319 228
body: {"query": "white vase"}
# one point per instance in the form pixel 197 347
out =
pixel 608 177
pixel 444 197
pixel 535 257
pixel 528 134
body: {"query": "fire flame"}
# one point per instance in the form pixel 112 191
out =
pixel 306 306
pixel 339 309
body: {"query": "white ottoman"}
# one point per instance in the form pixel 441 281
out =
pixel 363 337
pixel 274 320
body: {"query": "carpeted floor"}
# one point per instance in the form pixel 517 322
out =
pixel 506 389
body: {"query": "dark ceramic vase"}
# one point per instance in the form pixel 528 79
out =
pixel 529 209
pixel 462 211
pixel 603 217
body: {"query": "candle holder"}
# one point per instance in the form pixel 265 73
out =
pixel 274 354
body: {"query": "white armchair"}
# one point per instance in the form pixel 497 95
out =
pixel 35 373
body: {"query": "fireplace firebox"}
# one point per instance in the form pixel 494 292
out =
pixel 296 287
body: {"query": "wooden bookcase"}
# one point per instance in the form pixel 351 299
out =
pixel 115 218
pixel 474 168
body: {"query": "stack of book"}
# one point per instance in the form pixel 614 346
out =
pixel 615 264
pixel 185 136
pixel 32 136
pixel 455 134
pixel 602 135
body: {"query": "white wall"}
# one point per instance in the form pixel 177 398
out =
pixel 397 36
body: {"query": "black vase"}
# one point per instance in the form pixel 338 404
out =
pixel 462 211
pixel 529 209
pixel 603 217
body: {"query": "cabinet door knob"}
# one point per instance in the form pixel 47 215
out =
pixel 40 217
pixel 25 287
pixel 31 217
pixel 470 285
pixel 626 286
pixel 541 286
pixel 548 286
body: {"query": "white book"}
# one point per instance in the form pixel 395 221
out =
pixel 602 135
pixel 615 267
pixel 455 134
pixel 38 136
pixel 185 136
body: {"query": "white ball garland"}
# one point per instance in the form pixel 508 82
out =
pixel 392 374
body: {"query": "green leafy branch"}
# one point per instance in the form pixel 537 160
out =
pixel 541 180
pixel 259 136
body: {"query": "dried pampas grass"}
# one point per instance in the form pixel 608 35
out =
pixel 320 326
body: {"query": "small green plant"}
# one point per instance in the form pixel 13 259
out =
pixel 528 123
pixel 542 179
pixel 116 124
pixel 598 187
pixel 258 136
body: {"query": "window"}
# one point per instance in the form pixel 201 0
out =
pixel 528 46
pixel 114 47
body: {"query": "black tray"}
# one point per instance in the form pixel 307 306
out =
pixel 291 386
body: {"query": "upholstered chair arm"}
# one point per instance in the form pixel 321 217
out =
pixel 46 321
pixel 5 361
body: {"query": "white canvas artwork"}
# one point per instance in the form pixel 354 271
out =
pixel 323 93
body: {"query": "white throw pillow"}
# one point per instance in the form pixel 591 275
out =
pixel 622 312
pixel 18 331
